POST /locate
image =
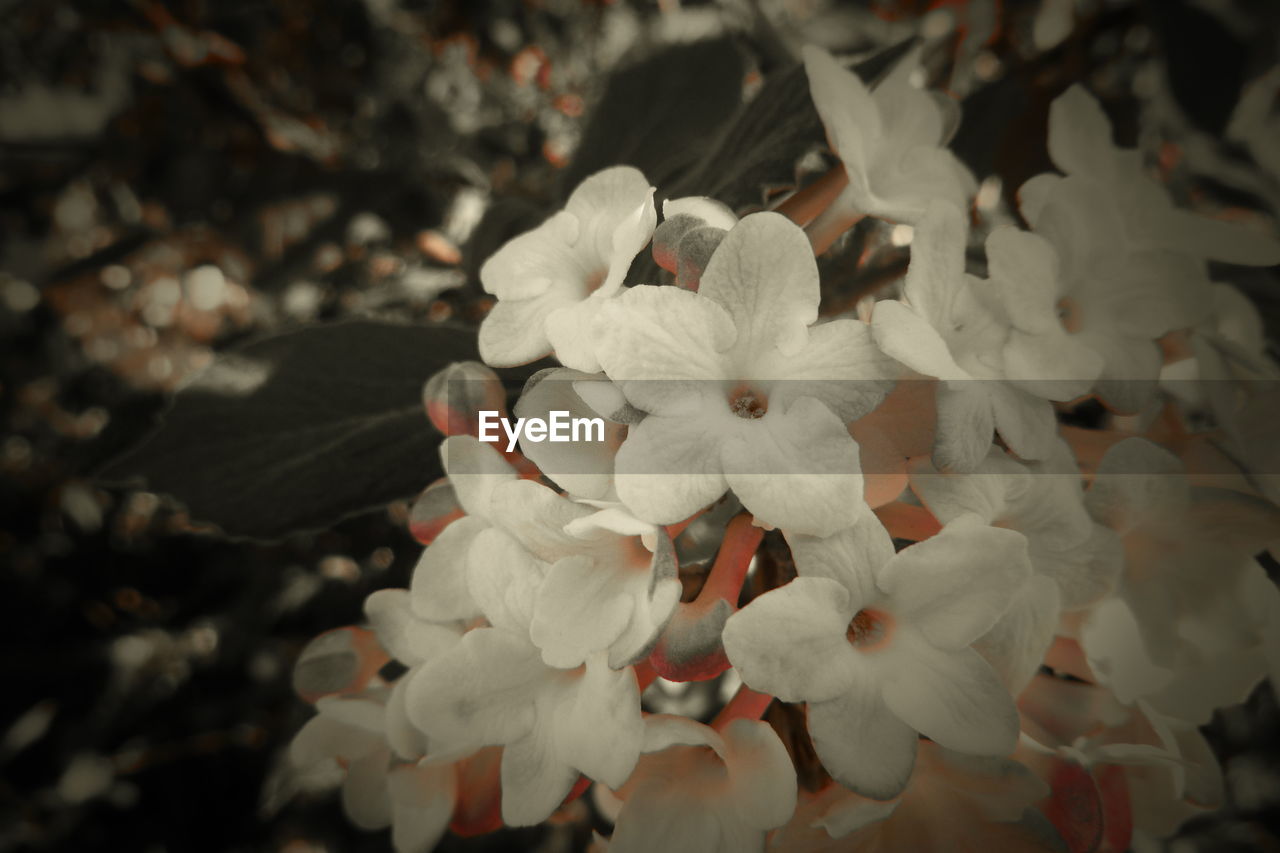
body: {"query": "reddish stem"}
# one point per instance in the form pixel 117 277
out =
pixel 807 204
pixel 741 538
pixel 829 225
pixel 746 704
pixel 907 521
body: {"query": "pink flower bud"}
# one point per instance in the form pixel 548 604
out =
pixel 455 396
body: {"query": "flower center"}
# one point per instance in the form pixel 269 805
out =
pixel 869 630
pixel 746 403
pixel 1069 315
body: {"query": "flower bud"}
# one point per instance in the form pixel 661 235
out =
pixel 455 395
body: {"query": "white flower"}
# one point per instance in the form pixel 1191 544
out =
pixel 1080 145
pixel 741 388
pixel 582 468
pixel 1189 598
pixel 686 797
pixel 493 688
pixel 1042 501
pixel 380 786
pixel 954 801
pixel 890 140
pixel 1115 296
pixel 975 335
pixel 609 581
pixel 439 587
pixel 551 281
pixel 878 644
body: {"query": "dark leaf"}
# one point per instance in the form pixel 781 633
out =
pixel 658 114
pixel 761 146
pixel 301 429
pixel 1206 63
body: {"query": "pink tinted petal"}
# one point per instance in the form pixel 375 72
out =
pixel 762 779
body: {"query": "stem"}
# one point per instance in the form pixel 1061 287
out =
pixel 829 225
pixel 906 521
pixel 805 205
pixel 746 704
pixel 645 674
pixel 741 538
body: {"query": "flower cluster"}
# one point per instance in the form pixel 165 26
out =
pixel 935 613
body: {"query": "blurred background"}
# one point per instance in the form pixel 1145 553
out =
pixel 179 177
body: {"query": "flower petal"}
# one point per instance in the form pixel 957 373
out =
pixel 953 697
pixel 906 336
pixel 598 725
pixel 762 778
pixel 791 641
pixel 406 637
pixel 664 347
pixel 477 694
pixel 849 114
pixel 504 578
pixel 1080 135
pixel 438 590
pixel 537 516
pixel 765 276
pixel 863 744
pixel 797 470
pixel 669 467
pixel 515 331
pixel 475 469
pixel 851 556
pixel 1026 423
pixel 1016 644
pixel 965 425
pixel 580 609
pixel 954 586
pixel 839 365
pixel 422 800
pixel 582 468
pixel 535 779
